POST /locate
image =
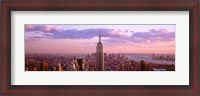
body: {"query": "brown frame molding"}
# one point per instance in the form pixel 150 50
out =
pixel 99 5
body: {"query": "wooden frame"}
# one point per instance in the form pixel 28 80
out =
pixel 98 5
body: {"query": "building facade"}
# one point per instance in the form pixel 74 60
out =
pixel 99 56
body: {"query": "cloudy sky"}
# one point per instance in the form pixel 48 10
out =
pixel 73 39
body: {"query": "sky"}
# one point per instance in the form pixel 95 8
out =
pixel 82 39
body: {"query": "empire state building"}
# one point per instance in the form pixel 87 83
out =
pixel 99 56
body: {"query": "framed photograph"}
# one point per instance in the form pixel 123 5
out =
pixel 120 47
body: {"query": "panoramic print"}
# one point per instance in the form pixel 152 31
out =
pixel 99 47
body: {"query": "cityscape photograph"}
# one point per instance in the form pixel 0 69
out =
pixel 99 47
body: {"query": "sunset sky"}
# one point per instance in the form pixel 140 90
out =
pixel 74 39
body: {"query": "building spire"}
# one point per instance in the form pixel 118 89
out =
pixel 99 37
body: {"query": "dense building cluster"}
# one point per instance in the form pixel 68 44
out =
pixel 163 57
pixel 112 62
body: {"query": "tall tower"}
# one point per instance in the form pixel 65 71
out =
pixel 99 56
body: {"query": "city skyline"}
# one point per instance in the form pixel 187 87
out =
pixel 81 39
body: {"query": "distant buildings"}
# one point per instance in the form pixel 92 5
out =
pixel 99 56
pixel 153 56
pixel 163 57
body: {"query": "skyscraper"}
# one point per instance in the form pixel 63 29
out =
pixel 142 65
pixel 99 56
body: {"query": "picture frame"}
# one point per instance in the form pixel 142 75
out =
pixel 100 5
